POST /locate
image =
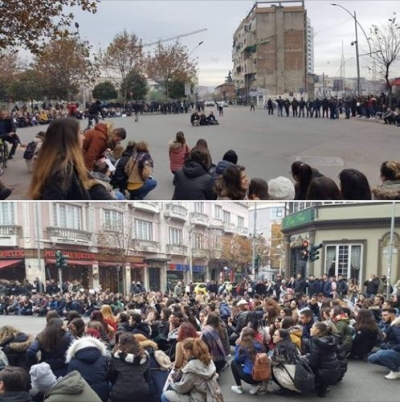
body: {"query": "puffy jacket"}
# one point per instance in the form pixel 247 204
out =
pixel 15 349
pixel 55 358
pixel 95 144
pixel 87 355
pixel 392 340
pixel 389 190
pixel 346 333
pixel 193 182
pixel 71 388
pixel 138 169
pixel 364 342
pixel 323 359
pixel 177 155
pixel 130 377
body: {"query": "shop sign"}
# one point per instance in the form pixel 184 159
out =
pixel 70 254
pixel 298 219
pixel 12 254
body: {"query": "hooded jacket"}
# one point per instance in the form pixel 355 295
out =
pixel 323 359
pixel 87 355
pixel 130 377
pixel 193 385
pixel 193 182
pixel 15 349
pixel 389 190
pixel 220 169
pixel 94 144
pixel 392 340
pixel 342 325
pixel 138 169
pixel 177 155
pixel 15 397
pixel 71 388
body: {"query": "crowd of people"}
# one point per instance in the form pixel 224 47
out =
pixel 174 345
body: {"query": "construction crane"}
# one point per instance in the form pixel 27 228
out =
pixel 174 37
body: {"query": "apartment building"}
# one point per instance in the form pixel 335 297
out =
pixel 271 51
pixel 355 239
pixel 111 245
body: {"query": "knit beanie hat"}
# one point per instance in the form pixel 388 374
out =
pixel 281 188
pixel 42 378
pixel 231 156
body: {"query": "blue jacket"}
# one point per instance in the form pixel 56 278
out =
pixel 242 357
pixel 392 340
pixel 87 355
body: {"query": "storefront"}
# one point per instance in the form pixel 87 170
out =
pixel 12 265
pixel 177 272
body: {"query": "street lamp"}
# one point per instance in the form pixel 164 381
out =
pixel 199 44
pixel 82 84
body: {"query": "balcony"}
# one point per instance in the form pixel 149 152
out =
pixel 199 253
pixel 175 211
pixel 229 228
pixel 216 224
pixel 250 66
pixel 177 250
pixel 146 206
pixel 242 231
pixel 70 236
pixel 199 219
pixel 148 246
pixel 9 235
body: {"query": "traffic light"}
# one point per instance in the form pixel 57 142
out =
pixel 257 262
pixel 61 260
pixel 305 253
pixel 314 253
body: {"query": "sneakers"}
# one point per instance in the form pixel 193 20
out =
pixel 254 389
pixel 237 389
pixel 393 375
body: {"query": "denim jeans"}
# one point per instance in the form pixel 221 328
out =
pixel 386 358
pixel 140 193
pixel 163 398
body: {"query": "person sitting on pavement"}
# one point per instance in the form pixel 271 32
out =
pixel 71 388
pixel 14 385
pixel 232 184
pixel 258 189
pixel 390 187
pixel 230 158
pixel 281 188
pixel 389 116
pixel 178 152
pixel 195 119
pixel 247 347
pixel 203 120
pixel 211 120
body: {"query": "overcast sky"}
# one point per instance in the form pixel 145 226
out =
pixel 152 20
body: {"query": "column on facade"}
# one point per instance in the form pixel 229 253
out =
pixel 126 277
pixel 286 269
pixel 33 271
pixel 163 277
pixel 94 276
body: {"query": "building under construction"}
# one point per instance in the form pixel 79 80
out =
pixel 271 50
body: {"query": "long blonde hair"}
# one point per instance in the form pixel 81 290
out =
pixel 107 312
pixel 7 332
pixel 61 152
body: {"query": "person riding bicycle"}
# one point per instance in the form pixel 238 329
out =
pixel 8 132
pixel 94 110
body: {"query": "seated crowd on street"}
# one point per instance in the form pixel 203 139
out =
pixel 176 344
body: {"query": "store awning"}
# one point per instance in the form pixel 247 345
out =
pixel 138 265
pixel 110 264
pixel 8 263
pixel 70 262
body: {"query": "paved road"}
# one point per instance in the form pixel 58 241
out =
pixel 266 145
pixel 362 383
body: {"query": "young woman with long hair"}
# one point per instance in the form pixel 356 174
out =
pixel 232 184
pixel 109 317
pixel 366 337
pixel 186 330
pixel 60 172
pixel 302 175
pixel 129 366
pixel 178 152
pixel 197 376
pixel 242 365
pixel 53 343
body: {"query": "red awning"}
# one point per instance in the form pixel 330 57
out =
pixel 70 262
pixel 138 265
pixel 7 263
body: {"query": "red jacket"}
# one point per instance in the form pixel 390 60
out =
pixel 177 155
pixel 94 145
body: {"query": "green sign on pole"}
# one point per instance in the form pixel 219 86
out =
pixel 298 219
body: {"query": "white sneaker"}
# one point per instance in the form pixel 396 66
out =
pixel 393 375
pixel 254 389
pixel 237 389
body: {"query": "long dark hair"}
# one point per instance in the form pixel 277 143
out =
pixel 365 321
pixel 354 185
pixel 323 188
pixel 302 173
pixel 247 343
pixel 51 337
pixel 214 321
pixel 229 183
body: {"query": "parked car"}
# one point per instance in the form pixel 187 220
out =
pixel 209 102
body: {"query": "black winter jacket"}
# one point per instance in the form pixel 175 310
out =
pixel 15 349
pixel 130 376
pixel 364 342
pixel 193 182
pixel 73 190
pixel 323 359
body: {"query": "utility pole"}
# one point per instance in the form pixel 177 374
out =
pixel 357 57
pixel 37 206
pixel 391 252
pixel 253 262
pixel 190 254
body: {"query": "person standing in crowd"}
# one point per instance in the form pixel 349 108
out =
pixel 178 152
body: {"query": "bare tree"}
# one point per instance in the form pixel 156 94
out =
pixel 123 55
pixel 30 23
pixel 170 63
pixel 385 44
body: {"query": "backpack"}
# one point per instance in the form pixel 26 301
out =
pixel 262 368
pixel 30 150
pixel 304 377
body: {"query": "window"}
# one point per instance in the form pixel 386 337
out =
pixel 344 260
pixel 199 207
pixel 276 213
pixel 299 206
pixel 218 212
pixel 7 213
pixel 175 236
pixel 241 221
pixel 144 230
pixel 227 217
pixel 198 240
pixel 112 220
pixel 67 216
